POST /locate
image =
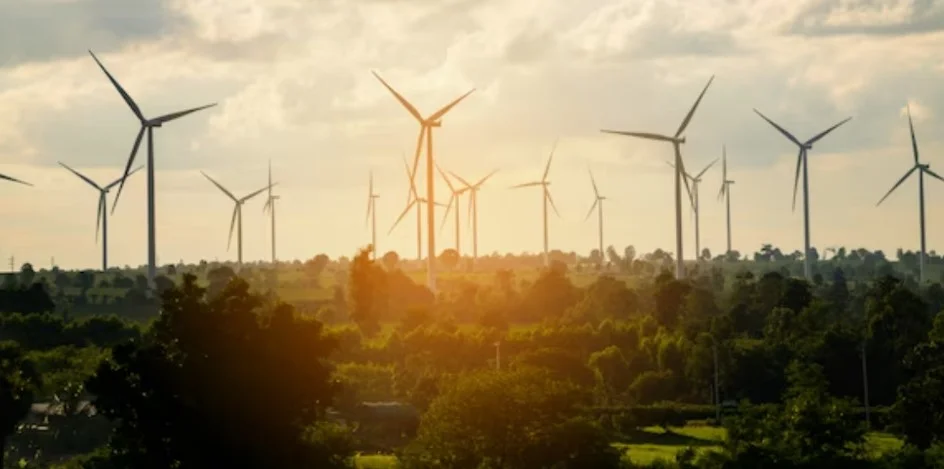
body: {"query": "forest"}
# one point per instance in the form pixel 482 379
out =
pixel 600 361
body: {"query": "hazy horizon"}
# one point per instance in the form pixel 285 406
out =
pixel 293 83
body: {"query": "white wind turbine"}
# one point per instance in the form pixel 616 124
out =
pixel 372 214
pixel 149 125
pixel 101 223
pixel 597 204
pixel 426 129
pixel 12 179
pixel 270 207
pixel 922 169
pixel 546 198
pixel 237 217
pixel 474 209
pixel 453 201
pixel 804 147
pixel 415 200
pixel 696 204
pixel 676 140
pixel 726 191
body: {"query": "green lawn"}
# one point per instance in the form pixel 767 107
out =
pixel 375 461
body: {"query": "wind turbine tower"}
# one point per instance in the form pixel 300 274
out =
pixel 726 191
pixel 149 125
pixel 474 209
pixel 676 140
pixel 804 147
pixel 270 207
pixel 922 169
pixel 696 205
pixel 453 200
pixel 597 204
pixel 372 215
pixel 237 220
pixel 102 212
pixel 546 198
pixel 426 129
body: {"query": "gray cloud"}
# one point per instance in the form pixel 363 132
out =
pixel 921 16
pixel 37 30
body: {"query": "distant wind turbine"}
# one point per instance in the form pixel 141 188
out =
pixel 474 209
pixel 546 198
pixel 270 207
pixel 372 214
pixel 922 170
pixel 149 125
pixel 696 204
pixel 725 191
pixel 597 204
pixel 237 217
pixel 676 140
pixel 102 222
pixel 802 161
pixel 453 201
pixel 426 128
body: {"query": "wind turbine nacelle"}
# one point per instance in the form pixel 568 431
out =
pixel 808 146
pixel 435 124
pixel 154 124
pixel 680 140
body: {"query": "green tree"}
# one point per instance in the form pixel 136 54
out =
pixel 210 377
pixel 19 381
pixel 368 290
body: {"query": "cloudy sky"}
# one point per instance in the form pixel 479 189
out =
pixel 293 83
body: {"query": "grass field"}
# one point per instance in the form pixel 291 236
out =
pixel 651 444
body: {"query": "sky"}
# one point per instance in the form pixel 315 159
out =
pixel 293 83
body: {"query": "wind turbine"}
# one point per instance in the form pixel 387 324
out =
pixel 922 170
pixel 597 204
pixel 372 214
pixel 676 140
pixel 270 207
pixel 453 200
pixel 102 222
pixel 426 128
pixel 237 217
pixel 696 205
pixel 546 198
pixel 474 209
pixel 726 191
pixel 802 161
pixel 149 125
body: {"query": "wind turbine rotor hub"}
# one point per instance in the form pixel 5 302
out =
pixel 435 124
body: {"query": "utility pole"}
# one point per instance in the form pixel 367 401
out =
pixel 12 264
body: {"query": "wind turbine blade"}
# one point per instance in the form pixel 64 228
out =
pixel 724 163
pixel 687 176
pixel 438 114
pixel 590 212
pixel 914 141
pixel 646 135
pixel 449 204
pixel 232 226
pixel 176 115
pixel 268 204
pixel 124 177
pixel 932 174
pixel 101 211
pixel 409 107
pixel 413 191
pixel 246 198
pixel 721 191
pixel 405 211
pixel 550 199
pixel 528 184
pixel 463 181
pixel 781 129
pixel 596 192
pixel 547 169
pixel 796 178
pixel 124 94
pixel 823 133
pixel 486 178
pixel 118 181
pixel 900 181
pixel 12 179
pixel 702 173
pixel 446 178
pixel 688 117
pixel 228 193
pixel 80 175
